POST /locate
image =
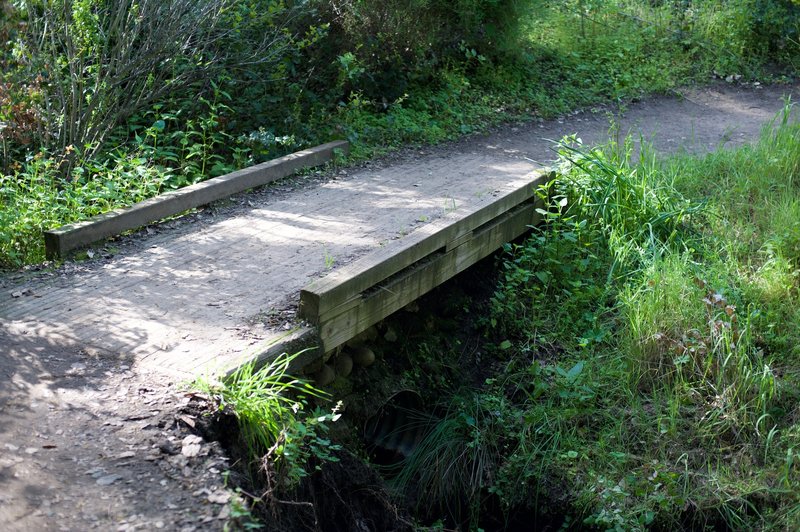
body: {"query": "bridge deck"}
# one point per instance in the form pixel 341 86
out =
pixel 203 294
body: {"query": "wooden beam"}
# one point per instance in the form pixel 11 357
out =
pixel 302 342
pixel 394 293
pixel 60 241
pixel 337 289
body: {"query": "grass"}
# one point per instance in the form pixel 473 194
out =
pixel 450 468
pixel 646 369
pixel 275 428
pixel 699 380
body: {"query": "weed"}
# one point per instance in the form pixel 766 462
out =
pixel 38 197
pixel 241 515
pixel 558 273
pixel 449 206
pixel 270 407
pixel 330 260
pixel 646 340
pixel 641 218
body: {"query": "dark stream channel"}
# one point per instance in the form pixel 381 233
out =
pixel 426 353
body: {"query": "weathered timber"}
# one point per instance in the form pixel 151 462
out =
pixel 301 342
pixel 351 299
pixel 411 283
pixel 60 241
pixel 341 289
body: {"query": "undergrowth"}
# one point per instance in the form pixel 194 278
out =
pixel 277 430
pixel 645 353
pixel 334 72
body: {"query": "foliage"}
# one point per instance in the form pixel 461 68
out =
pixel 256 79
pixel 563 264
pixel 270 407
pixel 102 61
pixel 38 197
pixel 385 47
pixel 241 517
pixel 455 461
pixel 645 353
pixel 687 375
pixel 639 217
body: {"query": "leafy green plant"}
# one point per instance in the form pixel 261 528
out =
pixel 554 285
pixel 39 197
pixel 275 428
pixel 241 515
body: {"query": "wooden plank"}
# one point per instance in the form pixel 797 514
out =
pixel 303 340
pixel 60 241
pixel 337 288
pixel 419 279
pixel 466 237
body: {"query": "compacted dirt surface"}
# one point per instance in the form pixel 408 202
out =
pixel 96 430
pixel 88 442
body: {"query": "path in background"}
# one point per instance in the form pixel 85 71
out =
pixel 78 345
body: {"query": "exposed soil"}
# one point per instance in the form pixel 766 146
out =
pixel 90 440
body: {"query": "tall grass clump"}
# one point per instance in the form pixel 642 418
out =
pixel 639 216
pixel 688 341
pixel 276 429
pixel 449 471
pixel 753 227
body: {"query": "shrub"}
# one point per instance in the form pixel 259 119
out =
pixel 397 43
pixel 103 61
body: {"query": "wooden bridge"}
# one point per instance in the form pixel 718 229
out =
pixel 310 261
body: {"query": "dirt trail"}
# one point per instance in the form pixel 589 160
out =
pixel 91 431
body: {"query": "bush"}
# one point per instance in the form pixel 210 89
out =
pixel 102 61
pixel 379 48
